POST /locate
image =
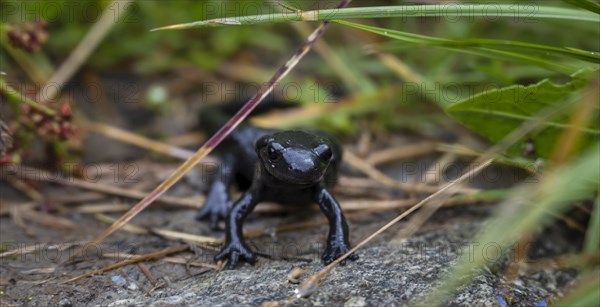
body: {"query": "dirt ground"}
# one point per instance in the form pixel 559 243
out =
pixel 392 270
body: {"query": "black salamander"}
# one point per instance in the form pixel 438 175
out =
pixel 291 167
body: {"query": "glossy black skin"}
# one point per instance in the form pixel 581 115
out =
pixel 289 167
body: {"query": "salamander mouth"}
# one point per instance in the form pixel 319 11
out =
pixel 300 169
pixel 292 178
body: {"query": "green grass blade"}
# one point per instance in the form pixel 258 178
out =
pixel 579 54
pixel 592 236
pixel 585 4
pixel 518 58
pixel 513 11
pixel 587 293
pixel 522 213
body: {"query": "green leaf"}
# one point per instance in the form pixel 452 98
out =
pixel 497 112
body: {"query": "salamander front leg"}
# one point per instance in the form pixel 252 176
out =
pixel 235 247
pixel 337 239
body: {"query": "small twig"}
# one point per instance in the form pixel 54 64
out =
pixel 192 138
pixel 144 268
pixel 46 219
pixel 435 173
pixel 170 234
pixel 102 208
pixel 6 206
pixel 164 233
pixel 34 174
pixel 25 189
pixel 15 214
pixel 458 149
pixel 401 152
pixel 35 271
pixel 181 260
pixel 131 228
pixel 377 175
pixel 118 255
pixel 37 247
pixel 563 262
pixel 137 140
pixel 462 150
pixel 83 197
pixel 364 143
pixel 123 263
pixel 161 283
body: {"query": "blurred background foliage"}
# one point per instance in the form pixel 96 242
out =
pixel 170 74
pixel 381 82
pixel 130 48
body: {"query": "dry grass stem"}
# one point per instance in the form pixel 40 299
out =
pixel 188 139
pixel 35 174
pixel 399 153
pixel 15 214
pixel 48 220
pixel 150 256
pixel 177 235
pixel 82 197
pixel 165 233
pixel 140 141
pixel 434 173
pixel 186 261
pixel 37 247
pixel 6 207
pixel 101 208
pixel 131 228
pixel 144 268
pixel 24 188
pixel 384 179
pixel 563 262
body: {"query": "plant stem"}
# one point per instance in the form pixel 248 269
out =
pixel 16 98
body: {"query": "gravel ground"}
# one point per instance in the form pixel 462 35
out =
pixel 390 271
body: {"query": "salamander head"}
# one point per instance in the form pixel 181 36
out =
pixel 295 157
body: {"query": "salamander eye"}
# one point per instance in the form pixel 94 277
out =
pixel 324 151
pixel 273 153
